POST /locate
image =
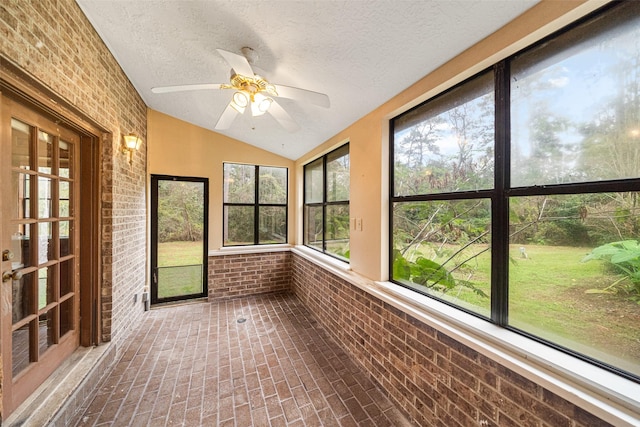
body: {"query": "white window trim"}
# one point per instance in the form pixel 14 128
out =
pixel 250 249
pixel 606 395
pixel 322 259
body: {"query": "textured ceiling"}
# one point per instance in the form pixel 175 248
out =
pixel 360 53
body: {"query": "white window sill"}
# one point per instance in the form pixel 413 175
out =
pixel 250 249
pixel 323 260
pixel 598 391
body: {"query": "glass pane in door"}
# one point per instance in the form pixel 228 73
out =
pixel 38 240
pixel 21 190
pixel 65 159
pixel 45 152
pixel 20 350
pixel 180 239
pixel 46 331
pixel 22 297
pixel 20 145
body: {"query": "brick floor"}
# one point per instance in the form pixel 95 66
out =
pixel 257 361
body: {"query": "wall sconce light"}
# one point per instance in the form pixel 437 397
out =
pixel 131 144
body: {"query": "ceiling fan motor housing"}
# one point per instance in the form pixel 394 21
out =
pixel 252 85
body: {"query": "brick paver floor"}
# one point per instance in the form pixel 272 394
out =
pixel 257 361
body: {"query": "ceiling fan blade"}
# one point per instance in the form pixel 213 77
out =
pixel 282 117
pixel 238 62
pixel 298 94
pixel 227 117
pixel 184 88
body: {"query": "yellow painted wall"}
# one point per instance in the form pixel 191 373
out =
pixel 179 148
pixel 369 137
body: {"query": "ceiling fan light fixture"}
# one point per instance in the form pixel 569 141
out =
pixel 260 104
pixel 239 102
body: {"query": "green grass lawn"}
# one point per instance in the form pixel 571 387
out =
pixel 180 269
pixel 548 298
pixel 171 254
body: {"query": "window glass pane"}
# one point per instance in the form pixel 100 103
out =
pixel 272 185
pixel 448 143
pixel 45 248
pixel 574 279
pixel 326 223
pixel 65 199
pixel 576 106
pixel 180 280
pixel 45 152
pixel 240 188
pixel 239 225
pixel 239 183
pixel 22 297
pixel 180 211
pixel 45 287
pixel 66 316
pixel 46 330
pixel 273 224
pixel 66 277
pixel 66 244
pixel 442 248
pixel 21 246
pixel 44 197
pixel 313 182
pixel 313 226
pixel 20 144
pixel 21 188
pixel 338 175
pixel 65 167
pixel 337 230
pixel 20 344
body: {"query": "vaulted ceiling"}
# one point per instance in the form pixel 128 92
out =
pixel 359 52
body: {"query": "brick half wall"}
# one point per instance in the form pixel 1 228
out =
pixel 435 379
pixel 240 275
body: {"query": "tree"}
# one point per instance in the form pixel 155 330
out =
pixel 180 211
pixel 611 144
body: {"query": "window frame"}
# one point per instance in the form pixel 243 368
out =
pixel 256 206
pixel 324 203
pixel 502 192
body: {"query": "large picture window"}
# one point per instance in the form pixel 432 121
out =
pixel 514 195
pixel 255 204
pixel 326 203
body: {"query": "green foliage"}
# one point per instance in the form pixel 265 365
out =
pixel 180 211
pixel 401 269
pixel 428 273
pixel 341 250
pixel 624 258
pixel 240 200
pixel 273 185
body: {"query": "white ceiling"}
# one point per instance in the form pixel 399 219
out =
pixel 359 52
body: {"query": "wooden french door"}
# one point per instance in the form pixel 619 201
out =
pixel 39 239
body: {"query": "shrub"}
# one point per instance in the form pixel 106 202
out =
pixel 624 258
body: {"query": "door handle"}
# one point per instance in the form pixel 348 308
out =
pixel 11 275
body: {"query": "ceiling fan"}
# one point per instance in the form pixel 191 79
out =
pixel 252 91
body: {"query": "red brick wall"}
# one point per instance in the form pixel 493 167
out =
pixel 52 41
pixel 232 276
pixel 435 379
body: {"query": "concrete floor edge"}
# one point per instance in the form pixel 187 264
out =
pixel 57 399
